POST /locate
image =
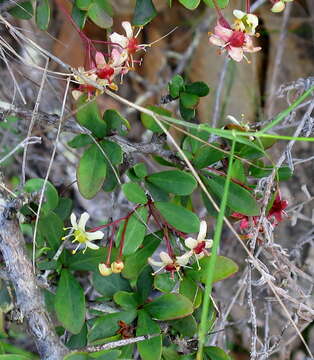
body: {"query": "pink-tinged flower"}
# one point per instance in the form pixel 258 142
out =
pixel 244 223
pixel 128 42
pixel 235 42
pixel 277 209
pixel 170 264
pixel 200 245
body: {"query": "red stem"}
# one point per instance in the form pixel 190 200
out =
pixel 122 238
pixel 110 246
pixel 221 18
pixel 248 6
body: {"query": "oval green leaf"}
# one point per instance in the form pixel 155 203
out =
pixel 99 16
pixel 169 307
pixel 70 303
pixel 42 14
pixel 177 216
pixel 239 199
pixel 109 285
pixel 190 4
pixel 174 181
pixel 149 349
pixel 91 172
pixel 144 12
pixel 134 193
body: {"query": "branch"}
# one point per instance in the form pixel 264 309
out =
pixel 28 296
pixel 115 344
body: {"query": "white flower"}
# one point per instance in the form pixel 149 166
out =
pixel 81 235
pixel 198 246
pixel 245 22
pixel 169 264
pixel 278 7
pixel 128 42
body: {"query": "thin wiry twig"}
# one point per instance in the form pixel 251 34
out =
pixel 48 172
pixel 33 119
pixel 29 141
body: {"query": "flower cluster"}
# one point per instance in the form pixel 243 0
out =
pixel 83 237
pixel 236 39
pixel 197 248
pixel 279 5
pixel 274 215
pixel 104 72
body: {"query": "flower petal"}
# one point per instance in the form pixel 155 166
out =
pixel 91 245
pixel 223 33
pixel 83 220
pixel 119 40
pixel 76 94
pixel 153 262
pixel 238 14
pixel 183 259
pixel 202 232
pixel 128 29
pixel 73 221
pixel 99 58
pixel 278 7
pixel 190 243
pixel 236 53
pixel 208 243
pixel 165 258
pixel 97 235
pixel 215 40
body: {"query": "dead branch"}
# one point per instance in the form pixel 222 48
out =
pixel 28 296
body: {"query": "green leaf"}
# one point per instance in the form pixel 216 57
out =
pixel 186 113
pixel 206 156
pixel 198 88
pixel 174 181
pixel 224 268
pixel 109 285
pixel 116 123
pixel 113 151
pixel 188 100
pixel 221 3
pixel 127 300
pixel 42 14
pixel 79 16
pixel 144 12
pixel 14 357
pixel 77 356
pixel 99 15
pixel 23 10
pixel 79 340
pixel 156 193
pixel 70 303
pixel 191 290
pixel 51 194
pixel 64 208
pixel 140 170
pixel 176 85
pixel 239 199
pixel 137 261
pixel 107 325
pixel 91 172
pixel 186 326
pixel 149 349
pixel 134 193
pixel 238 172
pixel 216 353
pixel 80 141
pixel 169 307
pixel 180 218
pixel 83 4
pixel 90 260
pixel 88 116
pixel 150 123
pixel 190 4
pixel 135 231
pixel 164 282
pixel 51 228
pixel 106 355
pixel 284 173
pixel 144 283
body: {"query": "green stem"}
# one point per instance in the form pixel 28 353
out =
pixel 212 262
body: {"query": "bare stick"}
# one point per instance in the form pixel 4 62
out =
pixel 28 296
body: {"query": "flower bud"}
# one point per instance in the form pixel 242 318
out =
pixel 104 269
pixel 278 6
pixel 117 266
